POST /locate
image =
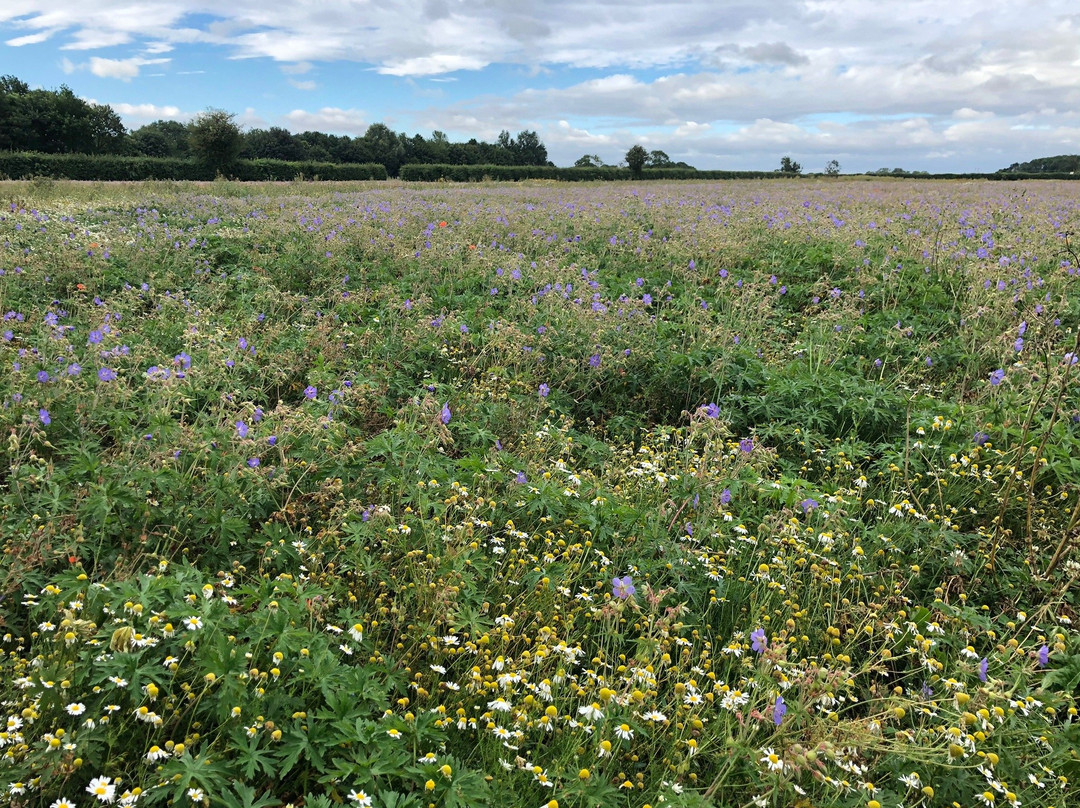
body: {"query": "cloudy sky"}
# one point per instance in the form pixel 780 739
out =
pixel 970 85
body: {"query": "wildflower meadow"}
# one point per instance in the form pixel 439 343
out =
pixel 656 494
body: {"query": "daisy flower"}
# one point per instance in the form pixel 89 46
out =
pixel 102 788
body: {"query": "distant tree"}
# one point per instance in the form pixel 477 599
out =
pixel 789 166
pixel 274 143
pixel 1062 163
pixel 215 139
pixel 382 145
pixel 528 149
pixel 160 139
pixel 56 121
pixel 589 161
pixel 635 159
pixel 832 168
pixel 658 159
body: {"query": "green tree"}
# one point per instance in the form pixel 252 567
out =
pixel 832 168
pixel 589 161
pixel 382 145
pixel 635 159
pixel 215 139
pixel 789 166
pixel 658 159
pixel 161 139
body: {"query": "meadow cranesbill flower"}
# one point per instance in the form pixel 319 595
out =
pixel 779 710
pixel 1044 656
pixel 983 665
pixel 544 390
pixel 253 462
pixel 241 429
pixel 594 360
pixel 746 445
pixel 43 376
pixel 311 392
pixel 106 374
pixel 979 438
pixel 44 417
pixel 725 496
pixel 712 410
pixel 444 414
pixel 759 640
pixel 808 505
pixel 623 587
pixel 997 377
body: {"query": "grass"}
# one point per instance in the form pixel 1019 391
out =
pixel 689 494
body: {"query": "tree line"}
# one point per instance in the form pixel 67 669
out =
pixel 59 122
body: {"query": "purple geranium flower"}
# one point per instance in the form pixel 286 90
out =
pixel 746 445
pixel 712 410
pixel 544 390
pixel 779 710
pixel 997 377
pixel 253 462
pixel 444 415
pixel 311 392
pixel 808 505
pixel 1044 656
pixel 43 415
pixel 623 587
pixel 982 669
pixel 106 374
pixel 759 641
pixel 241 429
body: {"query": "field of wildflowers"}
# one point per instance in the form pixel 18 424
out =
pixel 677 495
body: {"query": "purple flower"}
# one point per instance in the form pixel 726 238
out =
pixel 594 360
pixel 808 505
pixel 623 587
pixel 106 374
pixel 241 429
pixel 646 299
pixel 979 438
pixel 746 445
pixel 712 410
pixel 310 392
pixel 74 369
pixel 95 337
pixel 544 390
pixel 520 478
pixel 253 462
pixel 759 642
pixel 43 376
pixel 258 414
pixel 1018 346
pixel 272 440
pixel 725 496
pixel 43 415
pixel 444 415
pixel 1044 656
pixel 982 669
pixel 997 377
pixel 779 710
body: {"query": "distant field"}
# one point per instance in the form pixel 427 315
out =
pixel 680 494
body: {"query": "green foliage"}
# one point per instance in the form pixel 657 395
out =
pixel 215 140
pixel 636 158
pixel 789 166
pixel 342 519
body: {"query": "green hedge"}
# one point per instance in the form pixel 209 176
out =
pixel 432 172
pixel 23 165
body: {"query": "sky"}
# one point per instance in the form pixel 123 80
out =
pixel 963 85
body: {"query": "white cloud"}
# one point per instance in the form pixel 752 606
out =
pixel 431 65
pixel 328 119
pixel 138 114
pixel 303 85
pixel 31 39
pixel 123 69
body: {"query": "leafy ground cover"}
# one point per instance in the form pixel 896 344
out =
pixel 679 494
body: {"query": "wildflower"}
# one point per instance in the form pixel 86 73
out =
pixel 76 708
pixel 361 798
pixel 911 780
pixel 17 788
pixel 356 631
pixel 156 753
pixel 712 410
pixel 772 760
pixel 654 715
pixel 444 415
pixel 759 641
pixel 44 417
pixel 1044 656
pixel 808 505
pixel 311 392
pixel 746 445
pixel 106 374
pixel 623 587
pixel 102 788
pixel 624 732
pixel 241 429
pixel 983 665
pixel 544 390
pixel 997 377
pixel 594 360
pixel 779 710
pixel 253 462
pixel 591 711
pixel 394 733
pixel 193 623
pixel 63 802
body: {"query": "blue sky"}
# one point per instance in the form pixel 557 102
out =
pixel 922 85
